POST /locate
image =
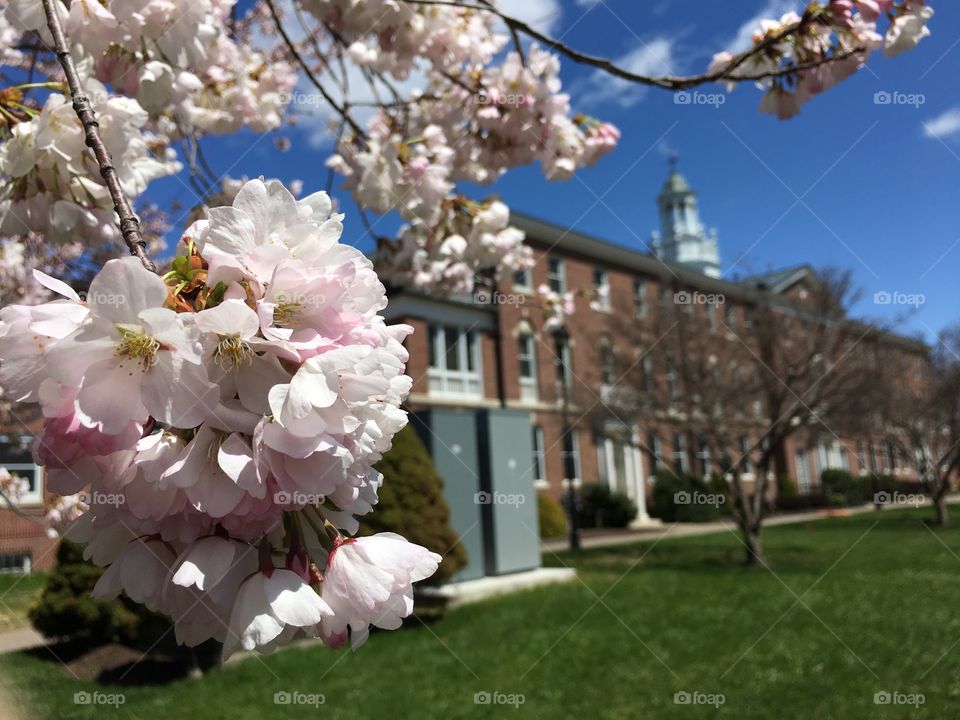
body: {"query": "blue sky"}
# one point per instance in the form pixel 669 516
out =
pixel 850 182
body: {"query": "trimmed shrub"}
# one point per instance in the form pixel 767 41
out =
pixel 552 516
pixel 844 490
pixel 675 498
pixel 601 507
pixel 67 611
pixel 786 488
pixel 412 504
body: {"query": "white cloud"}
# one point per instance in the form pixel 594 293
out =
pixel 944 125
pixel 542 15
pixel 651 58
pixel 773 10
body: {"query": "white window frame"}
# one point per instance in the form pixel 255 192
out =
pixel 539 458
pixel 563 361
pixel 745 453
pixel 681 452
pixel 575 449
pixel 35 495
pixel 24 568
pixel 462 383
pixel 703 454
pixel 601 287
pixel 803 471
pixel 527 346
pixel 559 277
pixel 523 280
pixel 640 298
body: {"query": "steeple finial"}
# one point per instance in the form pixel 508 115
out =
pixel 672 157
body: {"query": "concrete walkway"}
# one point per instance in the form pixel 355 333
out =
pixel 20 639
pixel 609 538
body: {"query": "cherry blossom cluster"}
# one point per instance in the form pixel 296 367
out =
pixel 831 42
pixel 221 423
pixel 474 239
pixel 177 58
pixel 557 307
pixel 475 126
pixel 54 186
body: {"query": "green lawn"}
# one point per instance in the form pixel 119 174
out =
pixel 17 592
pixel 878 613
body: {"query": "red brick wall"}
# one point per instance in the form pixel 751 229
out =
pixel 21 535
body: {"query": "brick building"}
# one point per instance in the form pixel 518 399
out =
pixel 491 351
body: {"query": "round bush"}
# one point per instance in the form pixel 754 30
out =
pixel 553 517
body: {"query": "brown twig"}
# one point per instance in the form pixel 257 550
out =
pixel 129 225
pixel 667 82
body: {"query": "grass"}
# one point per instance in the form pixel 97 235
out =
pixel 17 592
pixel 852 607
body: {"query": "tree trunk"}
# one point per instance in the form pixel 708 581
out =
pixel 753 545
pixel 943 515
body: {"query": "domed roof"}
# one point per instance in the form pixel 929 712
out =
pixel 676 183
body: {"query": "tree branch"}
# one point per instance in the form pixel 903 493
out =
pixel 129 225
pixel 667 82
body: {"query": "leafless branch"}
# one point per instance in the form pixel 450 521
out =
pixel 129 225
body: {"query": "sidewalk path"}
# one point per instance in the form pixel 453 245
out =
pixel 21 639
pixel 590 539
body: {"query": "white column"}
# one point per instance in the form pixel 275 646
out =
pixel 641 493
pixel 610 464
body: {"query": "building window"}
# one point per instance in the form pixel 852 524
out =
pixel 803 472
pixel 454 362
pixel 556 274
pixel 745 454
pixel 862 456
pixel 601 288
pixel 681 461
pixel 703 455
pixel 16 458
pixel 527 355
pixel 607 362
pixel 640 298
pixel 656 457
pixel 730 317
pixel 539 464
pixel 711 309
pixel 671 383
pixel 562 361
pixel 748 318
pixel 571 456
pixel 522 280
pixel 647 374
pixel 14 563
